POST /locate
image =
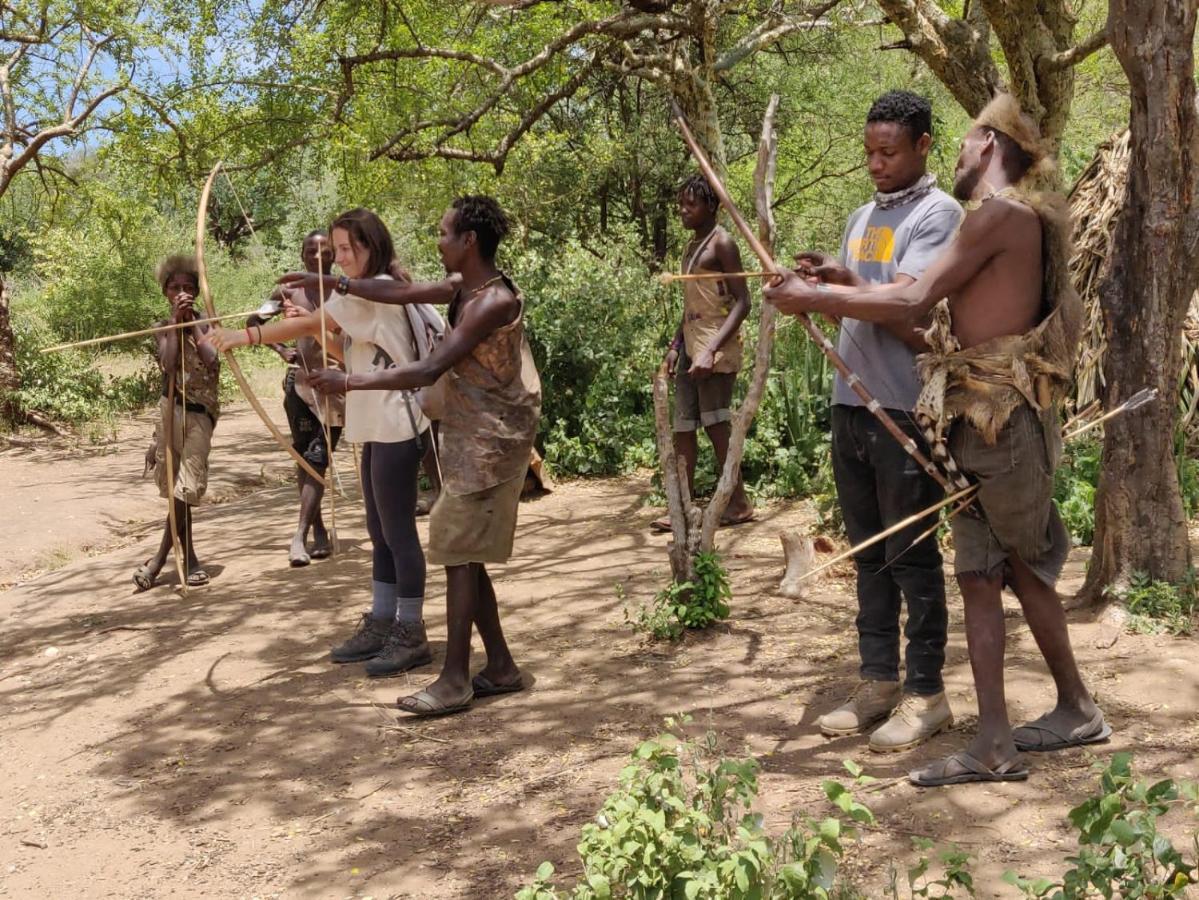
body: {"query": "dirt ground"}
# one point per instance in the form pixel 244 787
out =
pixel 158 745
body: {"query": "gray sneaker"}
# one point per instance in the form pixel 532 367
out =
pixel 407 647
pixel 914 721
pixel 869 703
pixel 367 641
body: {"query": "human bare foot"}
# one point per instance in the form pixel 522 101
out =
pixel 322 547
pixel 297 555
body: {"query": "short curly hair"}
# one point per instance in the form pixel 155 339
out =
pixel 484 216
pixel 177 264
pixel 697 188
pixel 904 108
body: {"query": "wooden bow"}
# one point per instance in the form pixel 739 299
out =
pixel 238 375
pixel 822 341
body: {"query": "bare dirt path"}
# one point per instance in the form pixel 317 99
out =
pixel 155 745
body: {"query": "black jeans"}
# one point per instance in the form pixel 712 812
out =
pixel 878 484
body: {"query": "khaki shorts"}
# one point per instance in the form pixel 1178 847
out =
pixel 703 401
pixel 1015 491
pixel 474 528
pixel 190 446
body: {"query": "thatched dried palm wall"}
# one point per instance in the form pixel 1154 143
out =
pixel 1094 203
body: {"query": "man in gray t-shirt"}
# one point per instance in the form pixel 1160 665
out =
pixel 892 239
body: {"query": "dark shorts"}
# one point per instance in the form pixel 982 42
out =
pixel 307 433
pixel 703 401
pixel 1015 493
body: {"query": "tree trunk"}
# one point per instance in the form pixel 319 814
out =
pixel 1140 525
pixel 10 379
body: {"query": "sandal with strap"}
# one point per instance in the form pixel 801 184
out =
pixel 969 769
pixel 1043 734
pixel 485 687
pixel 422 704
pixel 142 577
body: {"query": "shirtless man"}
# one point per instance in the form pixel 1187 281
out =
pixel 305 411
pixel 189 408
pixel 1012 313
pixel 705 354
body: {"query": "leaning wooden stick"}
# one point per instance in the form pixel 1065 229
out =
pixel 826 346
pixel 157 329
pixel 764 173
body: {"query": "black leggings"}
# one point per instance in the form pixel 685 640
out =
pixel 389 483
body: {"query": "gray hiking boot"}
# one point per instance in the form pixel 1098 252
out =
pixel 367 641
pixel 869 702
pixel 914 721
pixel 407 647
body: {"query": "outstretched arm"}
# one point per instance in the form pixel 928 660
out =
pixel 274 332
pixel 381 290
pixel 974 246
pixel 479 319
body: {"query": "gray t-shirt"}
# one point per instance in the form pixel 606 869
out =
pixel 879 245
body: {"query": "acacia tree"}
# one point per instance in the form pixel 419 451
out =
pixel 1140 524
pixel 511 63
pixel 59 63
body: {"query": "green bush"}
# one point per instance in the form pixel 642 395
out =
pixel 1121 852
pixel 690 604
pixel 1074 485
pixel 598 328
pixel 66 387
pixel 682 825
pixel 1157 607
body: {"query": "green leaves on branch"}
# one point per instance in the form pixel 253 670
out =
pixel 681 825
pixel 691 604
pixel 1121 852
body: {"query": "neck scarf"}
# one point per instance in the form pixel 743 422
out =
pixel 909 194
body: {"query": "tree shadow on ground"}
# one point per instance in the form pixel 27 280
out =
pixel 220 711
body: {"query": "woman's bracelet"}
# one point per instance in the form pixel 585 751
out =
pixel 259 327
pixel 249 337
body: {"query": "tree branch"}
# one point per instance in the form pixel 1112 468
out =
pixel 762 36
pixel 499 155
pixel 955 49
pixel 63 129
pixel 1075 55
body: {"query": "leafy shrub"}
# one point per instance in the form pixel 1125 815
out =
pixel 1121 853
pixel 689 604
pixel 66 387
pixel 955 871
pixel 1074 486
pixel 1155 607
pixel 598 327
pixel 682 825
